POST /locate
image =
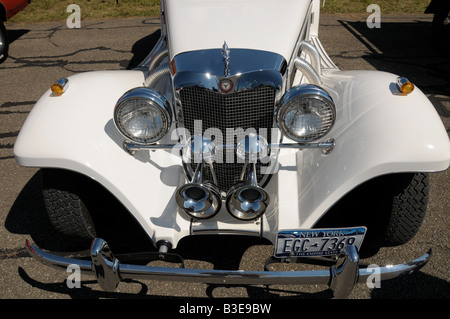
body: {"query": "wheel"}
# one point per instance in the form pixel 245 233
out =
pixel 66 204
pixel 392 207
pixel 80 209
pixel 409 204
pixel 4 43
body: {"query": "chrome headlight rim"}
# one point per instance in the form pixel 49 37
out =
pixel 310 91
pixel 156 100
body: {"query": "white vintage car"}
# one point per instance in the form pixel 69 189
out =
pixel 238 123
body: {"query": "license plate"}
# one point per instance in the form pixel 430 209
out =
pixel 317 242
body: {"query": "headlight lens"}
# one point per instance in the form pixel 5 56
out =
pixel 306 113
pixel 143 115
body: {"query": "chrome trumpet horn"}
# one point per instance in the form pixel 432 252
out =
pixel 247 200
pixel 199 199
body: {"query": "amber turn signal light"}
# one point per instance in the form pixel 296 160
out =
pixel 60 86
pixel 404 85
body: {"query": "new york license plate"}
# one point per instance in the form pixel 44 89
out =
pixel 317 242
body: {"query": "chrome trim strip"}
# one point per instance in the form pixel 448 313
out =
pixel 395 271
pixel 248 69
pixel 56 261
pixel 225 232
pixel 339 277
pixel 131 147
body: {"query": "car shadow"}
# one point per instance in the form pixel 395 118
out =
pixel 420 285
pixel 407 49
pixel 13 35
pixel 142 48
pixel 27 214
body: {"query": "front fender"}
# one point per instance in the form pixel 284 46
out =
pixel 76 132
pixel 377 132
pixel 382 127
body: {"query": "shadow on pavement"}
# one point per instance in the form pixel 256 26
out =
pixel 27 214
pixel 420 285
pixel 142 48
pixel 13 35
pixel 407 49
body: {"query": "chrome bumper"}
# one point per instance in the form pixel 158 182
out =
pixel 341 277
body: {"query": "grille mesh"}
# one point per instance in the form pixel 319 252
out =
pixel 247 109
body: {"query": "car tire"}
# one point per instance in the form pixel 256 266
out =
pixel 392 207
pixel 4 42
pixel 80 209
pixel 66 204
pixel 409 205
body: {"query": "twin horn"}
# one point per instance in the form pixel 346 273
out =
pixel 199 199
pixel 246 200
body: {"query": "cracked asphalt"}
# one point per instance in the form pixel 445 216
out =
pixel 41 53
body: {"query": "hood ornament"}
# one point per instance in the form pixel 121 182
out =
pixel 226 58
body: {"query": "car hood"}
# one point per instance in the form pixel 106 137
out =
pixel 268 25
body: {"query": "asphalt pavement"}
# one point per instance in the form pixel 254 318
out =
pixel 41 53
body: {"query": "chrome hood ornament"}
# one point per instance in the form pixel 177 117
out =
pixel 226 58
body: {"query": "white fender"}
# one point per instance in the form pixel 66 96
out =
pixel 76 132
pixel 377 132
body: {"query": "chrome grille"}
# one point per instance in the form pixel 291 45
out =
pixel 248 109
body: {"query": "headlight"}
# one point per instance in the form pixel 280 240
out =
pixel 143 115
pixel 306 113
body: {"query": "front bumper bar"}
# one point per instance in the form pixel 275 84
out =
pixel 341 277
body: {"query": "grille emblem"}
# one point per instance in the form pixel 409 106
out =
pixel 226 58
pixel 226 85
